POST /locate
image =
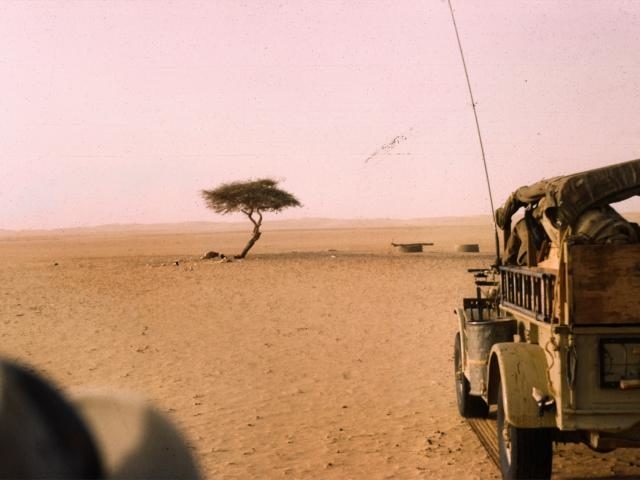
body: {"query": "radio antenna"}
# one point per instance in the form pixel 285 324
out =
pixel 475 115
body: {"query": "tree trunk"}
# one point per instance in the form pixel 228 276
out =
pixel 256 231
pixel 252 241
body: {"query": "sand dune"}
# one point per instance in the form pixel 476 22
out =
pixel 325 354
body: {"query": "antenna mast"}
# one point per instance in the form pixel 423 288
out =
pixel 475 115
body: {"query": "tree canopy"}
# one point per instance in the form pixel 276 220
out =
pixel 261 195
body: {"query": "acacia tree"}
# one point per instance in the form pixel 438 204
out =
pixel 252 197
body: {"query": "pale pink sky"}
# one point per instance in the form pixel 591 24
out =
pixel 121 111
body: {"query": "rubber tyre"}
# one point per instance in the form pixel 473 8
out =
pixel 525 453
pixel 469 406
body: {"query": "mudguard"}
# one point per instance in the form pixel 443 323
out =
pixel 463 347
pixel 520 367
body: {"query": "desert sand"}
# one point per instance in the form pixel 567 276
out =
pixel 324 354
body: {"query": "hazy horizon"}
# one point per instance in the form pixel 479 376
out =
pixel 121 112
pixel 240 222
pixel 243 223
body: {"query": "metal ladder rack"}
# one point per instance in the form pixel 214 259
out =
pixel 528 291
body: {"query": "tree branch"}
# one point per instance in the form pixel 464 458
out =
pixel 249 213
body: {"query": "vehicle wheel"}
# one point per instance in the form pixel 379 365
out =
pixel 525 453
pixel 469 406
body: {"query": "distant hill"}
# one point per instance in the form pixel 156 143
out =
pixel 269 225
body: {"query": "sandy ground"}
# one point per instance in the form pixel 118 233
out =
pixel 325 354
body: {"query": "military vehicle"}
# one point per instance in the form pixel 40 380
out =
pixel 550 343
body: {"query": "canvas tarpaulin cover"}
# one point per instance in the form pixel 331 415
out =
pixel 563 199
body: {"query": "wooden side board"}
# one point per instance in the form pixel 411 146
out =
pixel 605 284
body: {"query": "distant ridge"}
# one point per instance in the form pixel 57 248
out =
pixel 269 225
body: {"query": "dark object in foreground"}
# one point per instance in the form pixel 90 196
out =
pixel 41 434
pixel 45 435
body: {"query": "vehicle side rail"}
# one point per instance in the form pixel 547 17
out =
pixel 528 291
